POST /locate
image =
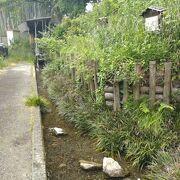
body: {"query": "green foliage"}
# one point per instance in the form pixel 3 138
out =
pixel 37 101
pixel 60 8
pixel 21 51
pixel 69 7
pixel 152 120
pixel 115 46
pixel 2 62
pixel 165 166
pixel 139 132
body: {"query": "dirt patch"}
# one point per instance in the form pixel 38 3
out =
pixel 63 153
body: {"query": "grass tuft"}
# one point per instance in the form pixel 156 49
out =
pixel 3 63
pixel 37 101
pixel 20 51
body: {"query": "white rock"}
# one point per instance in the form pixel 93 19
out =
pixel 112 168
pixel 87 165
pixel 49 110
pixel 57 131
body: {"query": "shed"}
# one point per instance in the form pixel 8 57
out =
pixel 153 17
pixel 38 25
pixel 35 27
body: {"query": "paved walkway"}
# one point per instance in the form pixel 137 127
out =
pixel 15 123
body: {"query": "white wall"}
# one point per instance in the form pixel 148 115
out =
pixel 152 23
pixel 10 37
pixel 89 7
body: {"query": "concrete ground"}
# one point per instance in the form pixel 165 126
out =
pixel 15 123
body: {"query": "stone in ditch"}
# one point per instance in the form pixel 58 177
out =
pixel 87 165
pixel 62 166
pixel 49 110
pixel 112 168
pixel 57 131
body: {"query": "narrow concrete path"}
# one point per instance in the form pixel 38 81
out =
pixel 15 123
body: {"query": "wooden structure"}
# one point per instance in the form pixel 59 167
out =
pixel 155 84
pixel 36 26
pixel 153 17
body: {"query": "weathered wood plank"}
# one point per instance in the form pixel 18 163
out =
pixel 136 88
pixel 95 76
pixel 145 89
pixel 73 74
pixel 125 91
pixel 116 96
pixel 91 85
pixel 152 82
pixel 167 82
pixel 82 79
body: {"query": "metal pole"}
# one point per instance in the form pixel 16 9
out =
pixel 42 26
pixel 35 26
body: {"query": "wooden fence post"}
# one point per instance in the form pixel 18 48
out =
pixel 152 82
pixel 73 74
pixel 91 85
pixel 136 88
pixel 95 76
pixel 167 82
pixel 82 78
pixel 116 96
pixel 125 90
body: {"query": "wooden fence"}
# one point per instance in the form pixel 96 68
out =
pixel 155 84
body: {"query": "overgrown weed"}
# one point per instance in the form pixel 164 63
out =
pixel 40 101
pixel 3 62
pixel 165 166
pixel 138 132
pixel 20 51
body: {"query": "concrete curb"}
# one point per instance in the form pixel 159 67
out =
pixel 38 153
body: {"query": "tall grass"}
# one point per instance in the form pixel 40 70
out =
pixel 137 132
pixel 166 166
pixel 20 51
pixel 37 101
pixel 2 62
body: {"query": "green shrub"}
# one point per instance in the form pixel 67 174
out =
pixel 3 63
pixel 138 131
pixel 116 46
pixel 21 51
pixel 37 101
pixel 165 166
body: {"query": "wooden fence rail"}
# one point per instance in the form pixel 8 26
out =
pixel 154 84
